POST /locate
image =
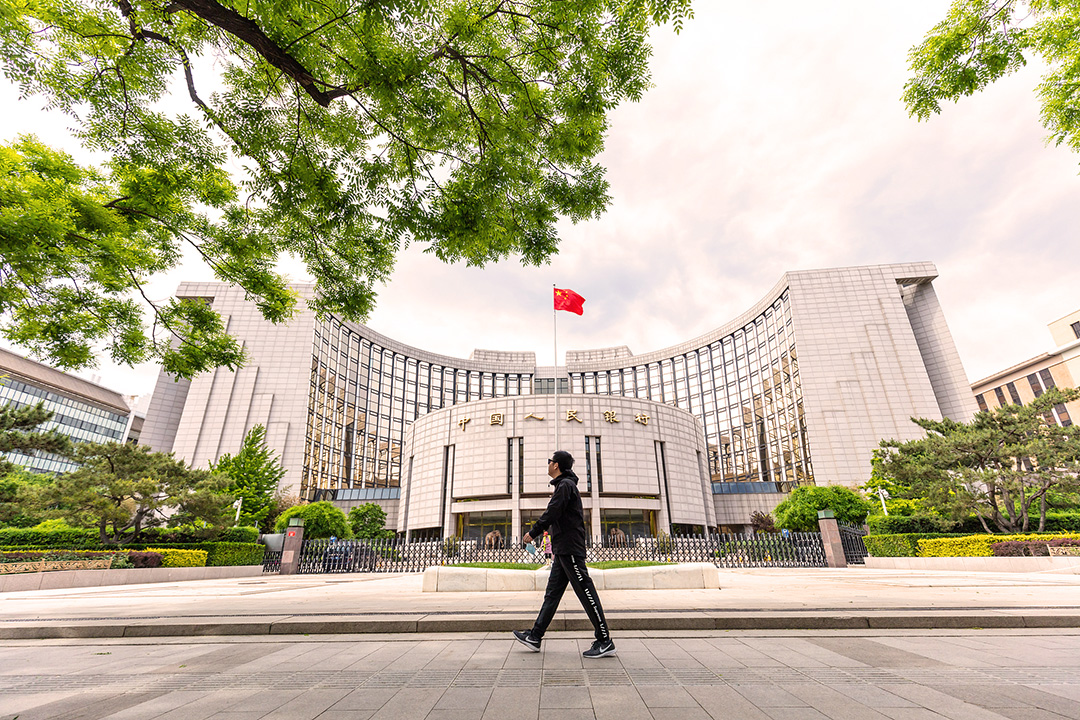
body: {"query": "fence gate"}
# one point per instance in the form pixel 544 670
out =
pixel 852 539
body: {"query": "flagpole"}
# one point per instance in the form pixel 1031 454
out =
pixel 555 342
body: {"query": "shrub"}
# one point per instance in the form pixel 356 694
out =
pixel 180 558
pixel 70 538
pixel 145 559
pixel 121 561
pixel 321 520
pixel 911 524
pixel 970 545
pixel 185 534
pixel 897 545
pixel 799 511
pixel 762 522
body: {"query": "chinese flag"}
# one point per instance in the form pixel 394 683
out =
pixel 569 301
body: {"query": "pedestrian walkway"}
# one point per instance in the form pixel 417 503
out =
pixel 690 675
pixel 853 598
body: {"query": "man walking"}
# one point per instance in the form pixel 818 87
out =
pixel 567 522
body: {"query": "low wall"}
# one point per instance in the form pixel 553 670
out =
pixel 98 578
pixel 653 577
pixel 1064 565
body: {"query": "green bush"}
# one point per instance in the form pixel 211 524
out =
pixel 911 524
pixel 972 545
pixel 321 520
pixel 799 511
pixel 186 534
pixel 897 545
pixel 71 538
pixel 171 557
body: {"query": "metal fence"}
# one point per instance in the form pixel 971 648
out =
pixel 786 549
pixel 851 536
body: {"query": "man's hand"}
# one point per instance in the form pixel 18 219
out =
pixel 527 538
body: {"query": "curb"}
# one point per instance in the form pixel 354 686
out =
pixel 421 623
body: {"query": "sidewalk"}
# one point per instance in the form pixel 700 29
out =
pixel 751 599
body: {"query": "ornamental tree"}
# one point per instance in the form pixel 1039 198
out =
pixel 981 41
pixel 368 521
pixel 19 433
pixel 1002 466
pixel 361 126
pixel 122 488
pixel 254 473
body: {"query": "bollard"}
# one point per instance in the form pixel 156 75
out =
pixel 830 538
pixel 290 551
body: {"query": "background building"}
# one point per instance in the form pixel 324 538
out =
pixel 798 389
pixel 1028 380
pixel 82 410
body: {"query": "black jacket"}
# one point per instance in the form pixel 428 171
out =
pixel 564 517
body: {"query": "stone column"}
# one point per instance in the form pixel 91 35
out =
pixel 830 538
pixel 290 551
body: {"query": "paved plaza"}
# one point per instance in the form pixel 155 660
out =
pixel 741 675
pixel 855 644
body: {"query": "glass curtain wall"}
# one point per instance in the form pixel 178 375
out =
pixel 744 387
pixel 80 421
pixel 362 397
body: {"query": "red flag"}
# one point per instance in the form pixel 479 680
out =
pixel 569 301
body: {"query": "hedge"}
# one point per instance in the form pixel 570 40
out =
pixel 1056 522
pixel 217 553
pixel 14 556
pixel 897 545
pixel 973 545
pixel 75 538
pixel 171 557
pixel 88 538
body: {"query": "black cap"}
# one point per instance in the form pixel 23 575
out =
pixel 564 459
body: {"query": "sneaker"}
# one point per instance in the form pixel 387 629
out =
pixel 525 637
pixel 600 648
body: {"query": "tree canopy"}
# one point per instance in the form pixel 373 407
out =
pixel 1002 465
pixel 981 41
pixel 360 126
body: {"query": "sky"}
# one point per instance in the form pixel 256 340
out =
pixel 773 140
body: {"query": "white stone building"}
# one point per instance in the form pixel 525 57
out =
pixel 799 389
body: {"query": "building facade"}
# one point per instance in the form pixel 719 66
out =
pixel 82 410
pixel 799 389
pixel 1023 382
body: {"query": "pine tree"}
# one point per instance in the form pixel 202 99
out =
pixel 254 473
pixel 18 434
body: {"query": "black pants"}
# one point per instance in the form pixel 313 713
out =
pixel 570 569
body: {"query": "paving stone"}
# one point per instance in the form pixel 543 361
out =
pixel 461 698
pixel 655 697
pixel 619 703
pixel 682 713
pixel 835 705
pixel 724 703
pixel 766 696
pixel 517 703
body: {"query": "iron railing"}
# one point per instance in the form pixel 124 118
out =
pixel 393 555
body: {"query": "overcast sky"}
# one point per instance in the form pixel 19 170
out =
pixel 774 140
